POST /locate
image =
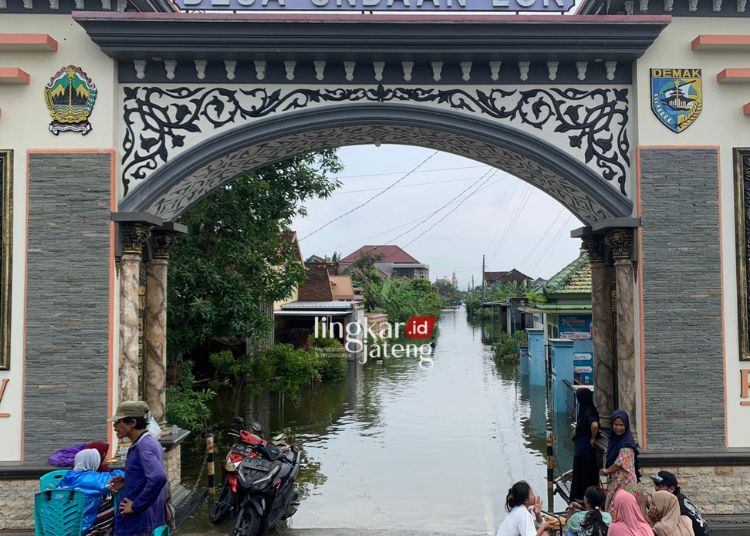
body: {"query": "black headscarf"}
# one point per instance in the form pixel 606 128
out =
pixel 586 408
pixel 626 440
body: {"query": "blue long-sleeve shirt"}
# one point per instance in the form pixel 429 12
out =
pixel 145 479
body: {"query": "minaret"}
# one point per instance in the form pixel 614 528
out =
pixel 454 280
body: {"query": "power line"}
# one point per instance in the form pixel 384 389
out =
pixel 451 212
pixel 404 185
pixel 400 172
pixel 531 253
pixel 555 238
pixel 422 217
pixel 515 219
pixel 449 202
pixel 371 199
pixel 512 220
pixel 379 234
pixel 501 221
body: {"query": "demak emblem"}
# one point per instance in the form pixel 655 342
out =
pixel 676 97
pixel 70 97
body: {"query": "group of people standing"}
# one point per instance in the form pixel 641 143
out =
pixel 625 510
pixel 129 502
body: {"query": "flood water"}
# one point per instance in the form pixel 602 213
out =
pixel 396 446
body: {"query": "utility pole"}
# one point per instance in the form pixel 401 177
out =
pixel 482 278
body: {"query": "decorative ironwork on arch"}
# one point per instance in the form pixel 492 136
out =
pixel 593 120
pixel 183 180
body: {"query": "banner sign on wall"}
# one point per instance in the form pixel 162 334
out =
pixel 379 5
pixel 577 327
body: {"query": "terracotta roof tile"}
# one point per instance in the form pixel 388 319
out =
pixel 390 253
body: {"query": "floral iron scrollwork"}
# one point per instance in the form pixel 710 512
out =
pixel 159 121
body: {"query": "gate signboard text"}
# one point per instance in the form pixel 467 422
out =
pixel 379 5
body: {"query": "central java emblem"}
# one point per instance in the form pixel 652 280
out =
pixel 70 97
pixel 676 97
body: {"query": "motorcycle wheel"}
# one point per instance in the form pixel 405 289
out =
pixel 293 504
pixel 248 523
pixel 223 505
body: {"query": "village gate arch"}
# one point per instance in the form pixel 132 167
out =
pixel 546 99
pixel 150 63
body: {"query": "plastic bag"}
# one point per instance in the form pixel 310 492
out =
pixel 153 428
pixel 64 457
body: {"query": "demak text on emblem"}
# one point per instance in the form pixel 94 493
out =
pixel 676 97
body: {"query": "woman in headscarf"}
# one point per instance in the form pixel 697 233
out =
pixel 585 466
pixel 622 466
pixel 102 448
pixel 627 519
pixel 665 514
pixel 86 478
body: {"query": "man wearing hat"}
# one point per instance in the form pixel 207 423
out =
pixel 142 508
pixel 666 481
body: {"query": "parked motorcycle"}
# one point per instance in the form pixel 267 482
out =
pixel 258 488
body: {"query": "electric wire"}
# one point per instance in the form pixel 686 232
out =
pixel 513 221
pixel 532 252
pixel 371 199
pixel 551 244
pixel 490 172
pixel 436 170
pixel 404 185
pixel 451 211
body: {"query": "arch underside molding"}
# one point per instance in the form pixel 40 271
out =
pixel 170 188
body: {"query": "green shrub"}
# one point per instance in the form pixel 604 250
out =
pixel 506 347
pixel 186 407
pixel 286 369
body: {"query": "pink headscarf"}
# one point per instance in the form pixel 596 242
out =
pixel 627 517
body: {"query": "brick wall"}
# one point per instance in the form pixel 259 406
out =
pixel 682 298
pixel 714 490
pixel 67 324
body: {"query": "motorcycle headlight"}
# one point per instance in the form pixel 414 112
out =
pixel 263 482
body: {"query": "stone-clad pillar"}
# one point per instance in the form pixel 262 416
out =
pixel 620 241
pixel 601 330
pixel 134 237
pixel 156 324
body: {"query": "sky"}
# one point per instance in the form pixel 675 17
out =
pixel 445 210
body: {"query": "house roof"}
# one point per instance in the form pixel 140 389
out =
pixel 291 237
pixel 341 286
pixel 317 286
pixel 506 277
pixel 389 253
pixel 330 305
pixel 575 278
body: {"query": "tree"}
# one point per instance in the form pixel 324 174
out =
pixel 366 276
pixel 448 293
pixel 236 258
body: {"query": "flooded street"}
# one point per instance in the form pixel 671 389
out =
pixel 398 447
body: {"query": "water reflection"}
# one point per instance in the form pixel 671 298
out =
pixel 396 446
